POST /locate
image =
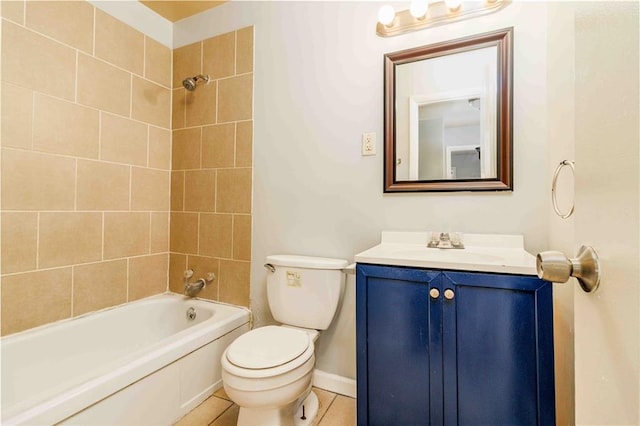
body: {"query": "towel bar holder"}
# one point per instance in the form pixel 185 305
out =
pixel 554 194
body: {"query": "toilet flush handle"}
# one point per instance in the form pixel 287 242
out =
pixel 270 267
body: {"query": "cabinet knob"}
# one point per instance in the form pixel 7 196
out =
pixel 449 294
pixel 434 293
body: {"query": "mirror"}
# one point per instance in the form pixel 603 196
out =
pixel 448 117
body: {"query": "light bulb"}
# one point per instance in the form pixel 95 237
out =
pixel 418 8
pixel 453 4
pixel 386 15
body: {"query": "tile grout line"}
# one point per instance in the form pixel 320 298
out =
pixel 91 262
pixel 335 396
pixel 91 54
pixel 223 412
pixel 235 52
pixel 102 245
pixel 55 154
pixel 219 273
pixel 93 108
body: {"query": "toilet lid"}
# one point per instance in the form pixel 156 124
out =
pixel 267 347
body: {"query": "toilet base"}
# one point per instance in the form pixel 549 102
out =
pixel 309 408
pixel 289 415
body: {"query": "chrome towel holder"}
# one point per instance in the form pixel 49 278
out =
pixel 554 194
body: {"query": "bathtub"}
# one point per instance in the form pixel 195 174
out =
pixel 141 363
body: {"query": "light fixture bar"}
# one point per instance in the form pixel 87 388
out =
pixel 438 14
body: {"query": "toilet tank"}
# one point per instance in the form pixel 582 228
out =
pixel 304 291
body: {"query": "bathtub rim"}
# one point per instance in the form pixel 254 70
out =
pixel 121 305
pixel 130 369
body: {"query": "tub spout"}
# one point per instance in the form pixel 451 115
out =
pixel 193 288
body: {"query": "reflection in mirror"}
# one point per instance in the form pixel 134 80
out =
pixel 448 116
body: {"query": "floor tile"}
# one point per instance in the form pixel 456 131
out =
pixel 219 410
pixel 204 413
pixel 325 398
pixel 342 412
pixel 228 418
pixel 221 393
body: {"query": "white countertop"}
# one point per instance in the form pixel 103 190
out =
pixel 482 253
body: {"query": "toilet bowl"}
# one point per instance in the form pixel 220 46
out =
pixel 268 371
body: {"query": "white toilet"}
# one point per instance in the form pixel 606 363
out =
pixel 268 370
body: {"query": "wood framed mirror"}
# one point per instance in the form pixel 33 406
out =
pixel 448 115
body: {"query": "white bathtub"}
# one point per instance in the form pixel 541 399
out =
pixel 143 363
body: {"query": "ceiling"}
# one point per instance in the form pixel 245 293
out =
pixel 176 10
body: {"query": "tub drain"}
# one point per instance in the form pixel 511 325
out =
pixel 191 314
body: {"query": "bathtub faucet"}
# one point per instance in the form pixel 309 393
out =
pixel 191 289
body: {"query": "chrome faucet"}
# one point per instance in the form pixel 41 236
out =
pixel 191 289
pixel 446 241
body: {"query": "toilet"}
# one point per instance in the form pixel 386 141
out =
pixel 268 371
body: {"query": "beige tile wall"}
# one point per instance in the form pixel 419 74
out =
pixel 211 173
pixel 86 162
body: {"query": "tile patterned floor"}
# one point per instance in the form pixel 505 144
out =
pixel 218 410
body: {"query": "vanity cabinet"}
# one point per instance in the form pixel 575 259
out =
pixel 438 347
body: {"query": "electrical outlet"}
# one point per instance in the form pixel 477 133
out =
pixel 369 143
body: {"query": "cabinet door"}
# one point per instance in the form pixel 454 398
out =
pixel 399 346
pixel 498 350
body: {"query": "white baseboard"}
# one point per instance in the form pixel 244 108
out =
pixel 334 383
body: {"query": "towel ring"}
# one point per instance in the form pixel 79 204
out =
pixel 563 163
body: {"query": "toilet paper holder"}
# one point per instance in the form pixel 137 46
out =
pixel 555 267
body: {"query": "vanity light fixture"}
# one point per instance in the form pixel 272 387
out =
pixel 419 9
pixel 453 5
pixel 424 14
pixel 386 15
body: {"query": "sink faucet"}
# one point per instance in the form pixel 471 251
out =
pixel 446 241
pixel 191 289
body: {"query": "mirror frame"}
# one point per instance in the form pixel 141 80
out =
pixel 503 40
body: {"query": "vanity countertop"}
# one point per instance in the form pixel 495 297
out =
pixel 482 253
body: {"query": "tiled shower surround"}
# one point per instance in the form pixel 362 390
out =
pixel 88 165
pixel 211 166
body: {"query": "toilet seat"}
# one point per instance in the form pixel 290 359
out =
pixel 267 347
pixel 295 361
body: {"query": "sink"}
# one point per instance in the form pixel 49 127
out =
pixel 448 255
pixel 482 252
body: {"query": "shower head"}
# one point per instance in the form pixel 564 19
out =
pixel 190 83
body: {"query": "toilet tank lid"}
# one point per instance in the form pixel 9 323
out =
pixel 309 262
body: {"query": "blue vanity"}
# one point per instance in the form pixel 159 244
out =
pixel 447 337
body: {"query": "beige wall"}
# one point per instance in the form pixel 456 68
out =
pixel 87 188
pixel 212 166
pixel 86 149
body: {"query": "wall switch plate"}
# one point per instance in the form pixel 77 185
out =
pixel 369 143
